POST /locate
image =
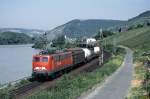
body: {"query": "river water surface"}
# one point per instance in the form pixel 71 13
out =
pixel 15 62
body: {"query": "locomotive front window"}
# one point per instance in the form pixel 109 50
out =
pixel 44 59
pixel 36 59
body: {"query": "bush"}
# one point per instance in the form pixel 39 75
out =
pixel 140 25
pixel 4 94
pixel 106 33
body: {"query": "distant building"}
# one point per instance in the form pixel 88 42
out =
pixel 123 29
pixel 90 40
pixel 69 40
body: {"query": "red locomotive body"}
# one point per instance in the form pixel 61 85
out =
pixel 46 65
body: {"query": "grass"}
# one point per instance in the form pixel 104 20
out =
pixel 139 41
pixel 137 90
pixel 71 87
pixel 5 92
pixel 132 38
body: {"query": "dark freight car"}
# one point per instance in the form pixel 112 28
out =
pixel 78 55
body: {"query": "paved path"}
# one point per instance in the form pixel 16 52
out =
pixel 116 86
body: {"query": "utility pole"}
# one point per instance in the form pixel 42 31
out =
pixel 114 45
pixel 45 41
pixel 101 47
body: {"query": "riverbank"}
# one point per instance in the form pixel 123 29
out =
pixel 18 45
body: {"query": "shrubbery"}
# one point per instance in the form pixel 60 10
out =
pixel 106 33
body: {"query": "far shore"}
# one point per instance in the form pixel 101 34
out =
pixel 17 45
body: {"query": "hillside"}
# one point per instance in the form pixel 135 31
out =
pixel 135 39
pixel 7 38
pixel 140 19
pixel 86 28
pixel 80 28
pixel 140 39
pixel 29 32
pixel 142 15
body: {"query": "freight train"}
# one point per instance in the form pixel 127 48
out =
pixel 47 65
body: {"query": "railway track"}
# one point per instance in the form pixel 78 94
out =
pixel 36 86
pixel 24 88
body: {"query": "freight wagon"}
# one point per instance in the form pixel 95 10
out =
pixel 46 65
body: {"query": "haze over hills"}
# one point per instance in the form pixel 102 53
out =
pixel 141 18
pixel 145 14
pixel 9 38
pixel 80 28
pixel 29 32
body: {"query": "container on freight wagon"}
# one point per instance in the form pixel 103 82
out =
pixel 96 49
pixel 90 40
pixel 87 52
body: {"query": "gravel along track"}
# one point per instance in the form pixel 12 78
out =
pixel 116 86
pixel 25 88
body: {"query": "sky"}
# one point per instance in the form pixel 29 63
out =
pixel 47 14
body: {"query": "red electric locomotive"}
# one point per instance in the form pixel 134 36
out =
pixel 46 65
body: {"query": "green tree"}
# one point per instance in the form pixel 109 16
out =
pixel 106 33
pixel 140 25
pixel 59 41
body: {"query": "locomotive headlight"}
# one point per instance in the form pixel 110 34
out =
pixel 43 68
pixel 40 68
pixel 37 68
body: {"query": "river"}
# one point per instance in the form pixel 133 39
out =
pixel 15 62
